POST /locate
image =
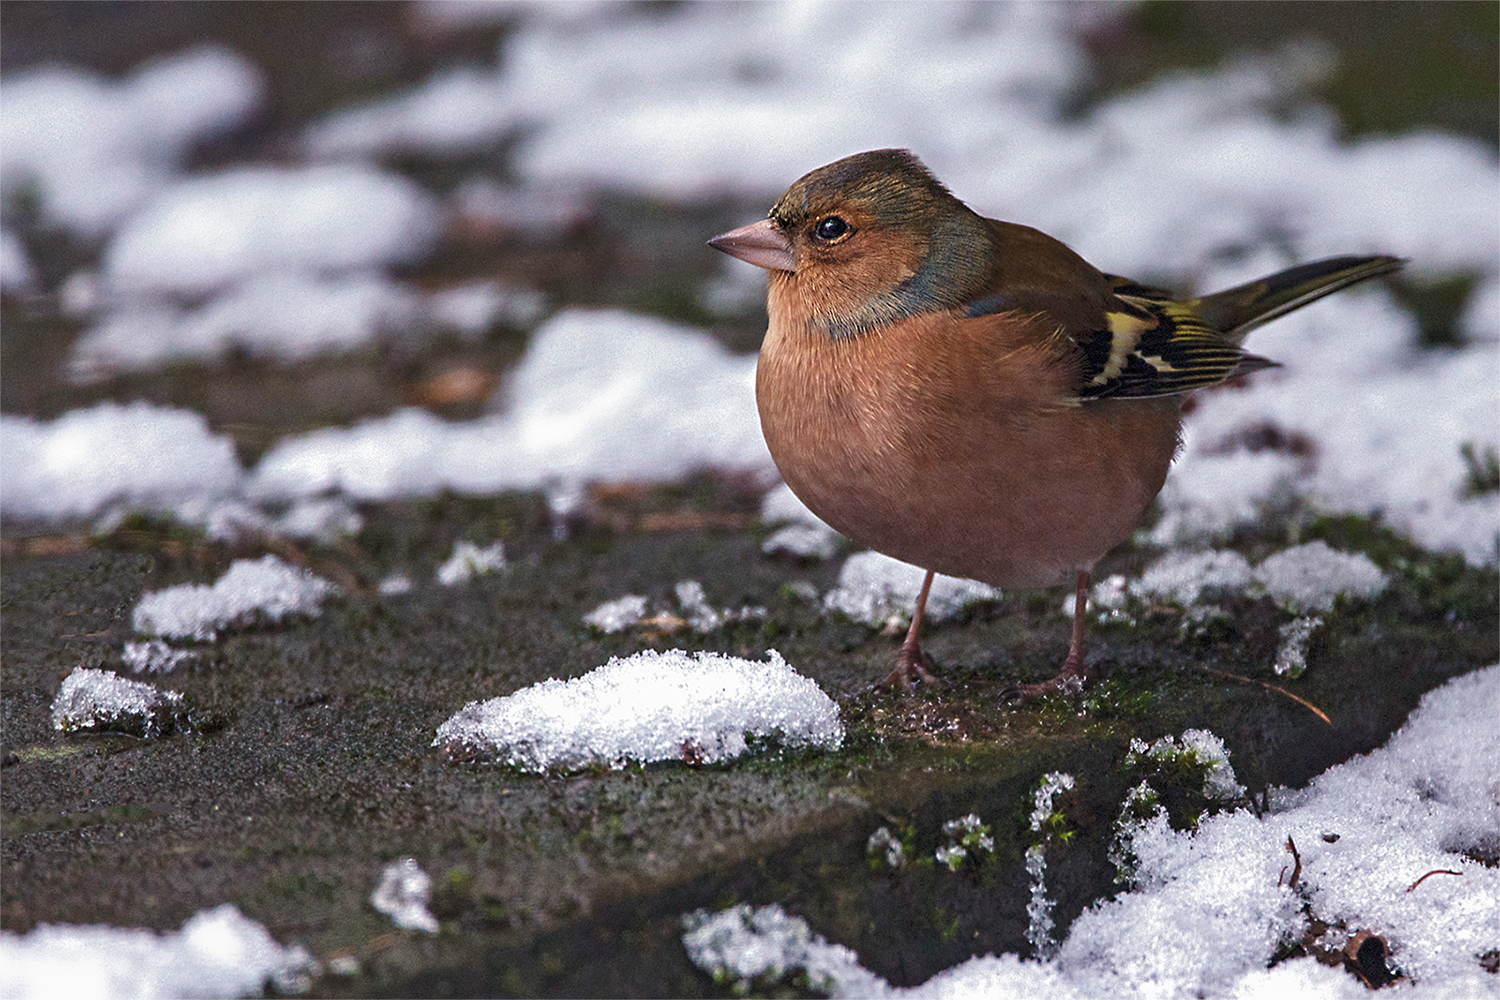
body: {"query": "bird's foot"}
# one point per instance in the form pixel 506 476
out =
pixel 1070 681
pixel 911 667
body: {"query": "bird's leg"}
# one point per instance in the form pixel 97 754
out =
pixel 1072 677
pixel 911 662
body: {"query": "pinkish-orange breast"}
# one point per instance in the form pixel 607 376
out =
pixel 952 444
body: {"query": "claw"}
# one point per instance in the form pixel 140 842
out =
pixel 1073 675
pixel 911 668
pixel 1069 683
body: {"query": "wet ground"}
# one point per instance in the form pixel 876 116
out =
pixel 303 764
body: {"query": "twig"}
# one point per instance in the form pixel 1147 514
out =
pixel 1435 871
pixel 1297 870
pixel 1314 709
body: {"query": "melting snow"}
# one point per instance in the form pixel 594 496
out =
pixel 1214 904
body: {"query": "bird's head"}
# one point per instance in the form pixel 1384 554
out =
pixel 867 240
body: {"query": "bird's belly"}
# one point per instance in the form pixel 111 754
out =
pixel 979 490
pixel 973 519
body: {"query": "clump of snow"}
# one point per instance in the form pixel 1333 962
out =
pixel 806 536
pixel 1291 654
pixel 1310 577
pixel 324 519
pixel 617 615
pixel 95 149
pixel 1196 747
pixel 395 585
pixel 403 894
pixel 884 845
pixel 155 657
pixel 701 616
pixel 744 943
pixel 86 461
pixel 276 262
pixel 649 707
pixel 469 560
pixel 697 614
pixel 103 701
pixel 1052 784
pixel 878 590
pixel 217 953
pixel 599 395
pixel 265 586
pixel 443 116
pixel 210 232
pixel 804 541
pixel 964 838
pixel 286 315
pixel 1213 905
pixel 1181 576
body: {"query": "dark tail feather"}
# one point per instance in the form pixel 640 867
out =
pixel 1237 311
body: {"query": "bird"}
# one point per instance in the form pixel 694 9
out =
pixel 973 397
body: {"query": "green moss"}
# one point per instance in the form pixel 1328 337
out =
pixel 50 753
pixel 21 825
pixel 1111 699
pixel 308 887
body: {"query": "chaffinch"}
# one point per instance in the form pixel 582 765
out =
pixel 971 395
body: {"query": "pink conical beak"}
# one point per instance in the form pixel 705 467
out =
pixel 760 243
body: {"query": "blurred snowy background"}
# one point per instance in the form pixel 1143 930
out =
pixel 256 258
pixel 261 264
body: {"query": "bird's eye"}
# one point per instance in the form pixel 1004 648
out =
pixel 831 228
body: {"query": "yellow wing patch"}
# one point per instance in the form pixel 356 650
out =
pixel 1157 347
